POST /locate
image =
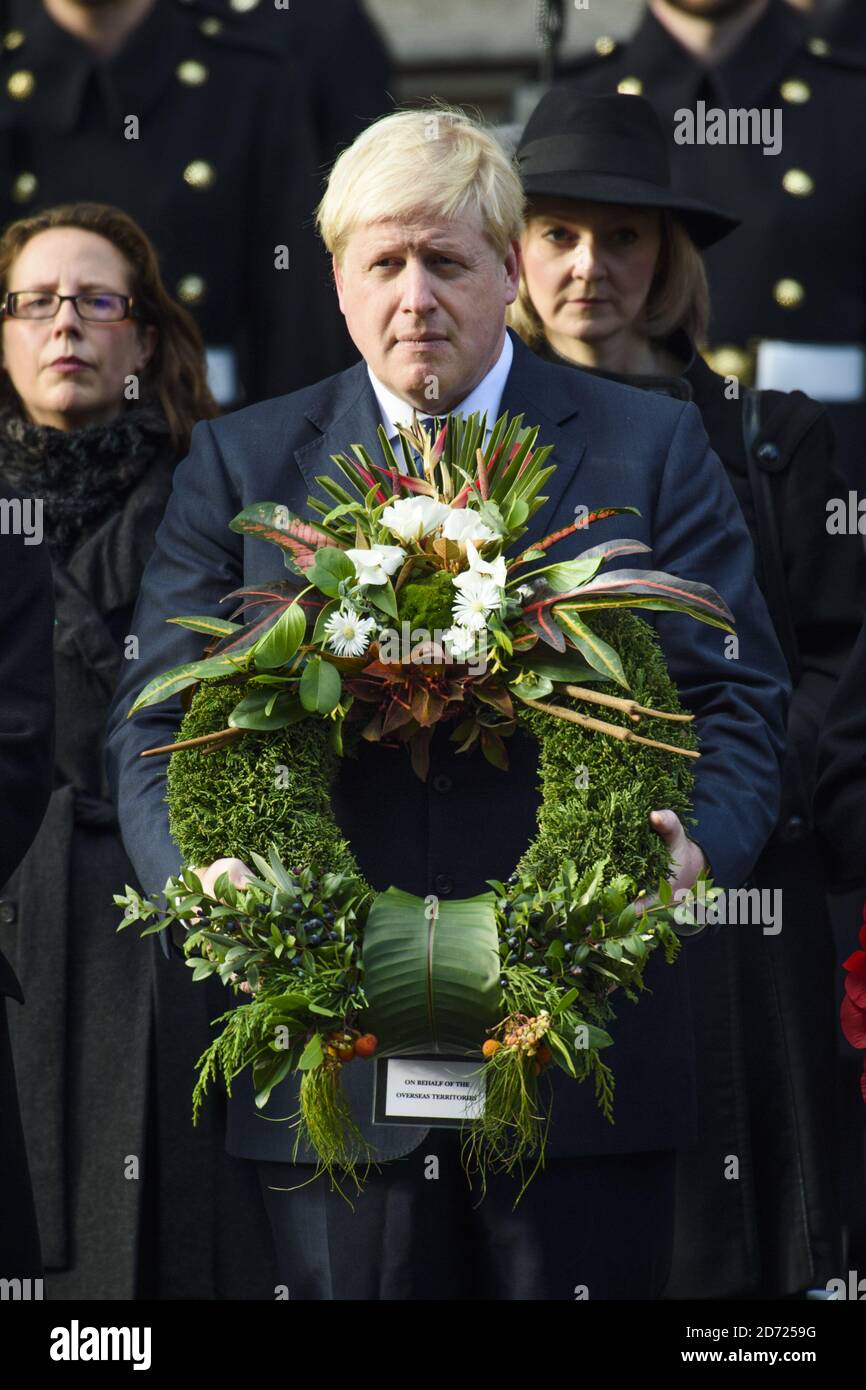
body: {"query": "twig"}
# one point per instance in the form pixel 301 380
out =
pixel 224 735
pixel 629 707
pixel 598 726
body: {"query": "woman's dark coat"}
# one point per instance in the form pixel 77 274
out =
pixel 26 760
pixel 769 1224
pixel 131 1201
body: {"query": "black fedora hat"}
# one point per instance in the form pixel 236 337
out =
pixel 608 149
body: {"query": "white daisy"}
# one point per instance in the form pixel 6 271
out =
pixel 410 518
pixel 374 566
pixel 464 524
pixel 476 597
pixel 348 633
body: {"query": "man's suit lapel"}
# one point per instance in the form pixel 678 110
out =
pixel 347 415
pixel 547 397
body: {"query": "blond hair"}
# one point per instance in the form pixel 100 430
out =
pixel 679 296
pixel 439 162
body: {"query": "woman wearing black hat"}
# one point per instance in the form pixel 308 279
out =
pixel 613 283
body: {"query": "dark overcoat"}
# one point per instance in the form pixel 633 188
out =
pixel 105 1098
pixel 765 1002
pixel 26 760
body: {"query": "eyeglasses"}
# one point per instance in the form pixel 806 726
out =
pixel 94 308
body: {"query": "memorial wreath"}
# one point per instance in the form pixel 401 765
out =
pixel 400 614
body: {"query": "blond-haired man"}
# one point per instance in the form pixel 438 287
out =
pixel 422 216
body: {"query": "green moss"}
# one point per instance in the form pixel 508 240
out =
pixel 427 602
pixel 266 786
pixel 624 781
pixel 275 786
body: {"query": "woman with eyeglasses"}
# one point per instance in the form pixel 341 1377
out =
pixel 613 283
pixel 103 379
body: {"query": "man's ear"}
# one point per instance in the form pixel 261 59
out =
pixel 338 281
pixel 512 265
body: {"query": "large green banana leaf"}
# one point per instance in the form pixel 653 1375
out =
pixel 431 977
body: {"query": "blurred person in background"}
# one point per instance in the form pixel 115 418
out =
pixel 26 763
pixel 841 21
pixel 788 287
pixel 102 381
pixel 335 47
pixel 613 283
pixel 203 135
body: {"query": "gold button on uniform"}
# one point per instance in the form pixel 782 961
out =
pixel 190 289
pixel 819 47
pixel 24 187
pixel 192 73
pixel 630 86
pixel 211 26
pixel 605 45
pixel 798 183
pixel 13 39
pixel 795 91
pixel 20 85
pixel 789 293
pixel 199 174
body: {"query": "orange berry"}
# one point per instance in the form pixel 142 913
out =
pixel 366 1045
pixel 490 1047
pixel 545 1056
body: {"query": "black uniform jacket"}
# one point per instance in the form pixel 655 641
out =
pixel 206 140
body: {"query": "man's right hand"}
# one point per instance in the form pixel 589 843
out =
pixel 239 873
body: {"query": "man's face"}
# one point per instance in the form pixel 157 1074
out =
pixel 425 305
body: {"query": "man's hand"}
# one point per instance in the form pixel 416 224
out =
pixel 239 873
pixel 688 858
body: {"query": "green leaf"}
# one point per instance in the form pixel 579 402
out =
pixel 320 686
pixel 217 627
pixel 383 596
pixel 252 713
pixel 281 641
pixel 561 1053
pixel 532 690
pixel 563 1002
pixel 599 654
pixel 313 1054
pixel 568 574
pixel 328 569
pixel 431 981
pixel 179 677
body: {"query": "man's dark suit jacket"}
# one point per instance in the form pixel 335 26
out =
pixel 613 446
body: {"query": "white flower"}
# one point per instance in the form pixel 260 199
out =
pixel 490 569
pixel 461 641
pixel 348 633
pixel 373 566
pixel 476 597
pixel 464 524
pixel 410 518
